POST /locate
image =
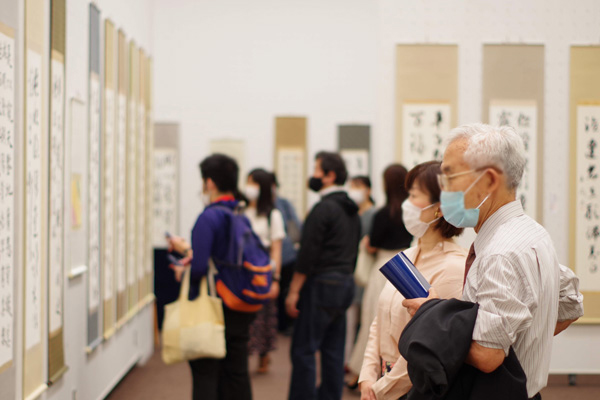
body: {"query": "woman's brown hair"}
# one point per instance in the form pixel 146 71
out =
pixel 425 175
pixel 394 177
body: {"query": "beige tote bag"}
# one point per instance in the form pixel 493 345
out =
pixel 193 329
pixel 364 265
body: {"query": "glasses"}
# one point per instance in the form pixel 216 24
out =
pixel 444 180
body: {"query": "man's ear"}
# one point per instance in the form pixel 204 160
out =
pixel 210 184
pixel 329 178
pixel 495 179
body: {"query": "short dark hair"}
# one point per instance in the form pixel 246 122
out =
pixel 362 179
pixel 265 202
pixel 426 176
pixel 222 170
pixel 394 177
pixel 333 162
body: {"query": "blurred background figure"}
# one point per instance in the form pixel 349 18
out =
pixel 388 236
pixel 289 251
pixel 360 193
pixel 267 223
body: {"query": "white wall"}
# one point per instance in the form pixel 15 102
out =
pixel 227 68
pixel 90 376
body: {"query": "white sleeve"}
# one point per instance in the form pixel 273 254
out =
pixel 570 300
pixel 277 226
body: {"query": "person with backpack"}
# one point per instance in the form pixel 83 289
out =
pixel 267 223
pixel 223 244
pixel 322 287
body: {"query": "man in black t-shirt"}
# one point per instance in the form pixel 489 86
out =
pixel 322 287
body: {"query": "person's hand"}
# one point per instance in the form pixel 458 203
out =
pixel 413 305
pixel 178 244
pixel 179 270
pixel 366 391
pixel 291 302
pixel 274 292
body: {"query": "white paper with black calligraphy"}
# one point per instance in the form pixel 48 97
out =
pixel 57 214
pixel 94 196
pixel 108 243
pixel 131 196
pixel 7 200
pixel 522 115
pixel 33 199
pixel 141 197
pixel 357 161
pixel 121 176
pixel 290 174
pixel 587 220
pixel 424 128
pixel 164 195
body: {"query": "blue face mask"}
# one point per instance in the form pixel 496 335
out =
pixel 453 207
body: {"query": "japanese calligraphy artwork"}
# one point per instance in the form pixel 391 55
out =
pixel 94 172
pixel 121 182
pixel 165 194
pixel 357 161
pixel 522 115
pixel 33 200
pixel 132 177
pixel 108 182
pixel 290 174
pixel 424 127
pixel 7 200
pixel 587 220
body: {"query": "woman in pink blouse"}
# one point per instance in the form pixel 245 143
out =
pixel 441 261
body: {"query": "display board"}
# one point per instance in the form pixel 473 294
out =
pixel 8 266
pixel 166 183
pixel 36 199
pixel 584 216
pixel 354 144
pixel 132 120
pixel 513 94
pixel 290 160
pixel 425 125
pixel 108 181
pixel 522 115
pixel 427 82
pixel 121 181
pixel 56 221
pixel 94 336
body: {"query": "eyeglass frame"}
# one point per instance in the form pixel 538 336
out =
pixel 444 177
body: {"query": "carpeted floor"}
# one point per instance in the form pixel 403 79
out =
pixel 156 381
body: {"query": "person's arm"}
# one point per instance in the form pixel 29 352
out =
pixel 371 367
pixel 570 300
pixel 276 259
pixel 505 302
pixel 313 236
pixel 291 301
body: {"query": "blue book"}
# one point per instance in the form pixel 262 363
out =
pixel 405 277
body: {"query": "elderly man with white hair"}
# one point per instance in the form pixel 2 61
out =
pixel 525 296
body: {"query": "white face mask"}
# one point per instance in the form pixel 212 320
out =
pixel 357 195
pixel 252 192
pixel 411 215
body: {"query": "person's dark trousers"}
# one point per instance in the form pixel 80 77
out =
pixel 284 322
pixel 226 379
pixel 321 326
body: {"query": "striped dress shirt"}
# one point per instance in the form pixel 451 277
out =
pixel 516 279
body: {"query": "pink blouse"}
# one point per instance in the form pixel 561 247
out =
pixel 444 269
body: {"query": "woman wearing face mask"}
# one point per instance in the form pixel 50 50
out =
pixel 267 223
pixel 441 261
pixel 386 238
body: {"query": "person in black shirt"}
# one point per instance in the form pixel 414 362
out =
pixel 322 287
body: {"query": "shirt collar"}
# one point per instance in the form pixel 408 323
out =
pixel 502 215
pixel 331 189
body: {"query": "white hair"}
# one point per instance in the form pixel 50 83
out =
pixel 493 146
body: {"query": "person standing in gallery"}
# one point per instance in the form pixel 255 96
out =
pixel 525 297
pixel 388 236
pixel 322 287
pixel 440 260
pixel 267 223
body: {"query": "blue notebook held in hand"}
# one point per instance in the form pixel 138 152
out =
pixel 405 277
